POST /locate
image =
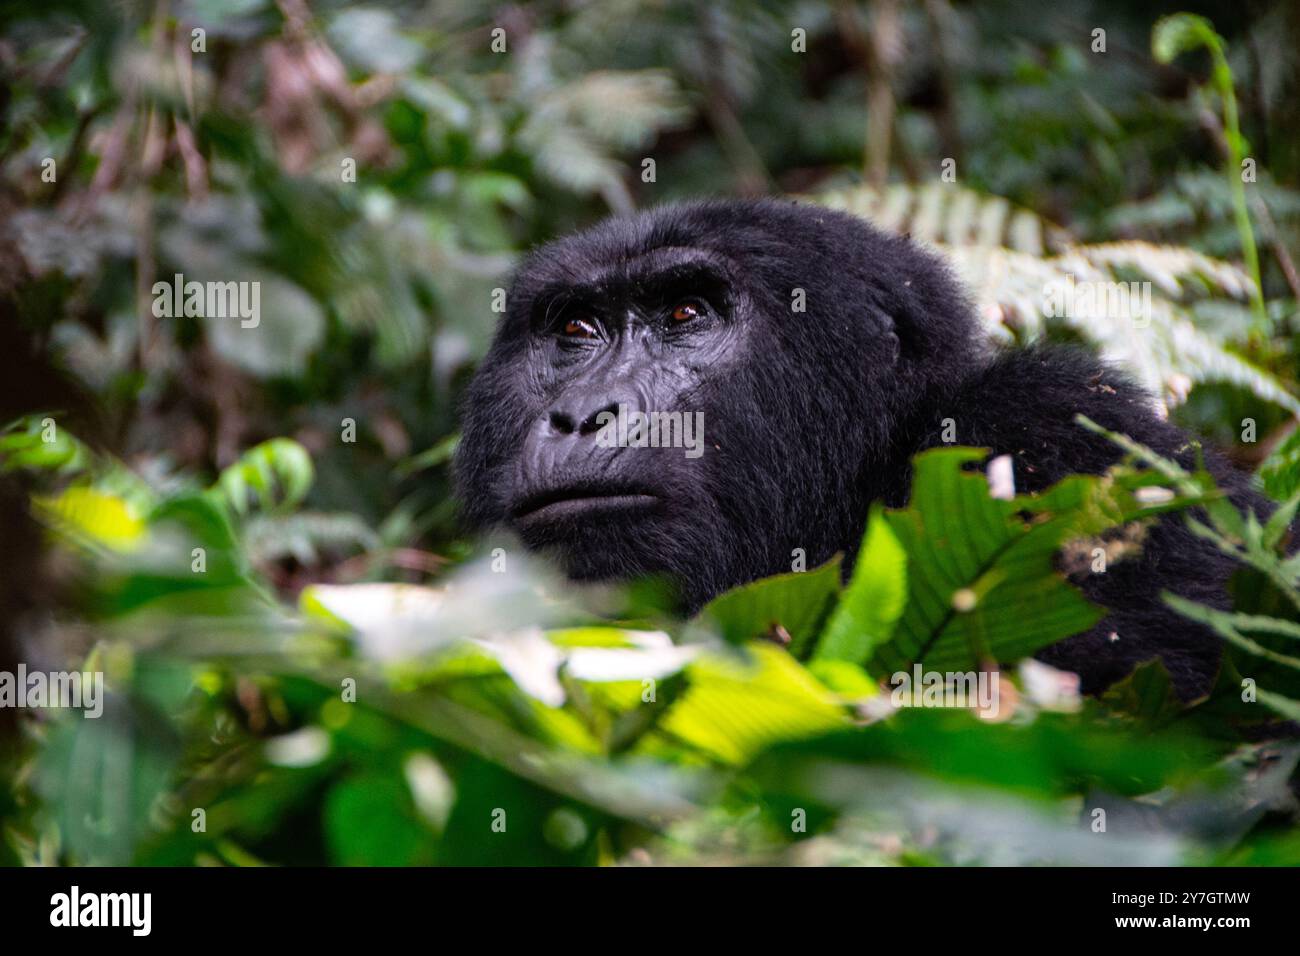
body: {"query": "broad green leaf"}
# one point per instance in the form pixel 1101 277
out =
pixel 796 602
pixel 200 517
pixel 732 709
pixel 846 679
pixel 290 326
pixel 982 582
pixel 1054 755
pixel 189 564
pixel 102 776
pixel 633 722
pixel 373 39
pixel 873 601
pixel 371 820
pixel 92 517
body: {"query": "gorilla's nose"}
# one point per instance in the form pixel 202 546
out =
pixel 587 417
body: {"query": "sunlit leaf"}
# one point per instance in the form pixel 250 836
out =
pixel 873 601
pixel 795 602
pixel 94 517
pixel 734 708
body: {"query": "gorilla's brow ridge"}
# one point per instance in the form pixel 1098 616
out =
pixel 661 272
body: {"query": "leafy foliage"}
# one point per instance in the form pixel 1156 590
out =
pixel 413 706
pixel 1261 548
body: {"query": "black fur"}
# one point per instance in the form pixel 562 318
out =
pixel 809 417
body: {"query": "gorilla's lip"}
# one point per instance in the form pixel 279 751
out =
pixel 581 501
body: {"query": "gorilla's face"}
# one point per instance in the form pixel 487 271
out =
pixel 691 392
pixel 645 340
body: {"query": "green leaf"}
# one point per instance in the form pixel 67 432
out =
pixel 1054 755
pixel 1181 33
pixel 372 38
pixel 92 517
pixel 632 724
pixel 1279 522
pixel 874 600
pixel 847 680
pixel 274 476
pixel 290 326
pixel 1288 708
pixel 440 454
pixel 1281 470
pixel 795 602
pixel 1147 694
pixel 982 582
pixel 733 709
pixel 371 820
pixel 38 443
pixel 1231 626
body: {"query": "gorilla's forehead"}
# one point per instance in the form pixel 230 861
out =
pixel 641 273
pixel 717 237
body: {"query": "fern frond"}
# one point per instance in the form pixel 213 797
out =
pixel 999 251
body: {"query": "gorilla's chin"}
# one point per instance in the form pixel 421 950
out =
pixel 621 538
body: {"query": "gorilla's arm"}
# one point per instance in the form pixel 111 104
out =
pixel 1024 403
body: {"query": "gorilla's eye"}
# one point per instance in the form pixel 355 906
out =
pixel 580 329
pixel 686 311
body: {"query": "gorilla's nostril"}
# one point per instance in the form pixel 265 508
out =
pixel 562 423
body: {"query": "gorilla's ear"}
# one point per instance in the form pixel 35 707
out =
pixel 892 345
pixel 885 330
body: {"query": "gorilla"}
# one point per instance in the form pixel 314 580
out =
pixel 819 355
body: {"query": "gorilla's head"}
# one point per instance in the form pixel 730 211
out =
pixel 702 389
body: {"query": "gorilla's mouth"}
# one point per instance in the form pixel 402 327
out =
pixel 581 502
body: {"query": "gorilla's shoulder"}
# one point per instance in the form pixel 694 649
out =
pixel 1058 380
pixel 1024 402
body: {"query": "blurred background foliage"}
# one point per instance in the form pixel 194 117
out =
pixel 346 679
